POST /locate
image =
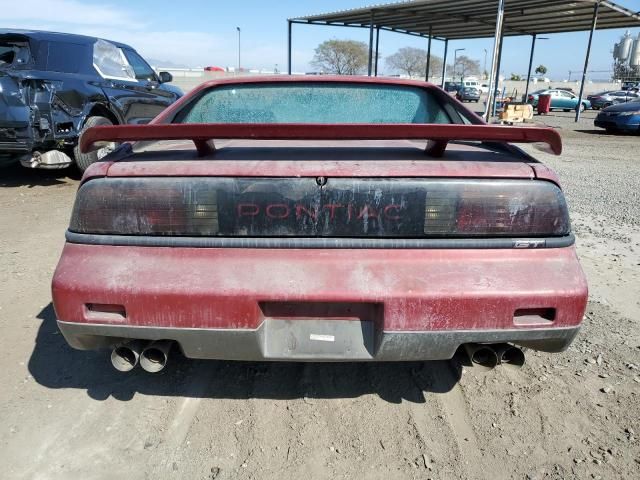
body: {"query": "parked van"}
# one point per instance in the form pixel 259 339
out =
pixel 473 83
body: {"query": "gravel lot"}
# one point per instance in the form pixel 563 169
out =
pixel 66 414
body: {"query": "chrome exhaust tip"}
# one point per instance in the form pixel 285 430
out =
pixel 483 356
pixel 126 356
pixel 155 356
pixel 510 355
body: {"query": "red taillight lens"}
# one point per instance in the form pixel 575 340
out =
pixel 510 208
pixel 145 207
pixel 299 207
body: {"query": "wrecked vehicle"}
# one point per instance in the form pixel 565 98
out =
pixel 340 219
pixel 53 86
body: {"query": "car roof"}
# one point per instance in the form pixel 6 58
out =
pixel 624 107
pixel 328 79
pixel 44 36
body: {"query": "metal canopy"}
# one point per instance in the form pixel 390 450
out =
pixel 467 19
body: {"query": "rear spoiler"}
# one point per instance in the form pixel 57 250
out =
pixel 438 135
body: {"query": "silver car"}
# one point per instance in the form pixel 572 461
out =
pixel 606 99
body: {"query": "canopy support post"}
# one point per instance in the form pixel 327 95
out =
pixel 493 110
pixel 594 24
pixel 375 70
pixel 533 49
pixel 444 62
pixel 491 100
pixel 370 67
pixel 428 69
pixel 290 23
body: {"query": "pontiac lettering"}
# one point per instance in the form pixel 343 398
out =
pixel 349 211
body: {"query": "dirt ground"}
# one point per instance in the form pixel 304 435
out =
pixel 66 414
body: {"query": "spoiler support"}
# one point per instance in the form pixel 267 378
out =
pixel 437 135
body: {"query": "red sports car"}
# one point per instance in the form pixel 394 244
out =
pixel 333 219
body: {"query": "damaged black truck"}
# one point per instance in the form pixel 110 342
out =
pixel 55 85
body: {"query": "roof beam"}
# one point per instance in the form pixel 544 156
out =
pixel 451 20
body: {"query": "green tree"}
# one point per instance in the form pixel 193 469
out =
pixel 541 70
pixel 341 57
pixel 515 77
pixel 412 62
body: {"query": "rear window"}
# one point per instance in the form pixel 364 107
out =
pixel 315 103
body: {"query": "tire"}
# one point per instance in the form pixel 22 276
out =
pixel 583 107
pixel 83 160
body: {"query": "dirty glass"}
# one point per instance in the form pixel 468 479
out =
pixel 110 61
pixel 310 102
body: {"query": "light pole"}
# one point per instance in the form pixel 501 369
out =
pixel 238 28
pixel 484 70
pixel 455 60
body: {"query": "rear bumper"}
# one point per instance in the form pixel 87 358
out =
pixel 303 342
pixel 278 304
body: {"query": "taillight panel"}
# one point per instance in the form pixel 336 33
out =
pixel 303 207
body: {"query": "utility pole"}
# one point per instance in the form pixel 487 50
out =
pixel 238 28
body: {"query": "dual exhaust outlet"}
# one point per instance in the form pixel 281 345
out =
pixel 489 356
pixel 152 356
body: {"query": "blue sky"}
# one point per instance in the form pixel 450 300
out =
pixel 203 32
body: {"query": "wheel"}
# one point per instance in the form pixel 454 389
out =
pixel 83 160
pixel 582 107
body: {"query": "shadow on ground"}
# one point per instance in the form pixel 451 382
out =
pixel 54 364
pixel 600 131
pixel 15 175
